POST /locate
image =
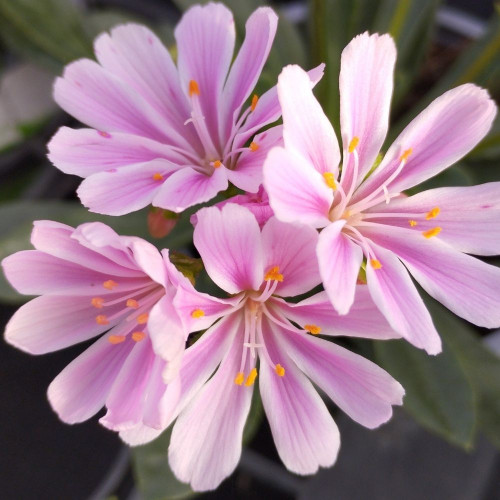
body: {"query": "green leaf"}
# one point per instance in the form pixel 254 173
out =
pixel 154 478
pixel 16 222
pixel 438 394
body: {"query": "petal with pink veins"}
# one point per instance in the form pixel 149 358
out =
pixel 304 432
pixel 229 242
pixel 188 187
pixel 339 261
pixel 306 129
pixel 81 389
pixel 292 248
pixel 465 285
pixel 397 298
pixel 297 192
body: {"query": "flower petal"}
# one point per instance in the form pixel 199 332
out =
pixel 292 248
pixel 363 320
pixel 206 439
pixel 439 136
pixel 205 42
pixel 124 190
pixel 86 151
pixel 229 243
pixel 366 81
pixel 359 387
pixel 139 434
pixel 81 389
pixel 304 432
pixel 245 71
pixel 297 192
pixel 306 129
pixel 188 187
pixel 465 285
pixel 339 261
pixel 398 300
pixel 469 216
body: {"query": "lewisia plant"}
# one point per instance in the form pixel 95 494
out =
pixel 169 135
pixel 364 216
pixel 94 283
pixel 255 334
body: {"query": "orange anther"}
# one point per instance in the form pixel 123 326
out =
pixel 142 318
pixel 97 302
pixel 157 176
pixel 255 100
pixel 253 146
pixel 116 339
pixel 138 336
pixel 132 303
pixel 193 88
pixel 375 264
pixel 101 319
pixel 314 329
pixel 110 284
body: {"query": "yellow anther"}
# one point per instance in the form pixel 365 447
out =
pixel 251 377
pixel 353 144
pixel 110 284
pixel 217 163
pixel 193 88
pixel 101 320
pixel 253 146
pixel 116 339
pixel 240 377
pixel 280 370
pixel 157 177
pixel 138 336
pixel 406 155
pixel 132 303
pixel 330 180
pixel 142 318
pixel 198 313
pixel 314 329
pixel 274 274
pixel 412 223
pixel 375 264
pixel 431 232
pixel 432 213
pixel 255 100
pixel 97 302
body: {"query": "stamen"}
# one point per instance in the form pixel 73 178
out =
pixel 406 155
pixel 253 146
pixel 142 318
pixel 157 176
pixel 314 329
pixel 116 339
pixel 353 144
pixel 110 284
pixel 138 336
pixel 193 88
pixel 330 180
pixel 280 370
pixel 432 213
pixel 216 164
pixel 386 194
pixel 375 264
pixel 198 313
pixel 101 319
pixel 132 303
pixel 240 377
pixel 431 232
pixel 274 274
pixel 412 223
pixel 97 302
pixel 251 377
pixel 255 100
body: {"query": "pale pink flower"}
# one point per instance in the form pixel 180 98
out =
pixel 362 213
pixel 256 266
pixel 93 283
pixel 169 135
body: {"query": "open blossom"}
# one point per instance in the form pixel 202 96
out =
pixel 93 283
pixel 255 326
pixel 169 135
pixel 363 213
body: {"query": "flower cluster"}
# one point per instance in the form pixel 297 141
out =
pixel 310 213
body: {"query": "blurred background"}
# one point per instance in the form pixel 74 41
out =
pixel 442 445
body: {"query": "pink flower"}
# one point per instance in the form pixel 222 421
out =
pixel 92 283
pixel 166 135
pixel 256 266
pixel 362 213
